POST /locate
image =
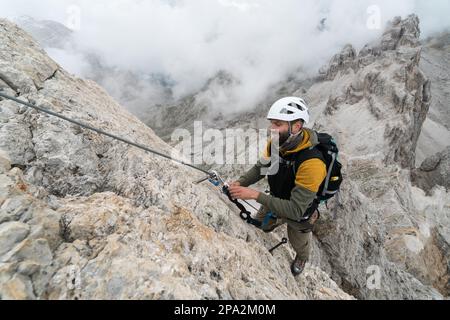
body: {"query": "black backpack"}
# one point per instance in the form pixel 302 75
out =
pixel 328 152
pixel 330 186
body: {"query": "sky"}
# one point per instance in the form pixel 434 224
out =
pixel 259 42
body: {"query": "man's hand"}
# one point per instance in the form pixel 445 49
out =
pixel 235 184
pixel 242 193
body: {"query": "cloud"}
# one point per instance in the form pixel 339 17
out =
pixel 259 42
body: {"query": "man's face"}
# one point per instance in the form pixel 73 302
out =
pixel 279 126
pixel 282 129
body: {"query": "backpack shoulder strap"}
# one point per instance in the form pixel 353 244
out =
pixel 307 154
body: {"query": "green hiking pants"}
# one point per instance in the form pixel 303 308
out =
pixel 300 241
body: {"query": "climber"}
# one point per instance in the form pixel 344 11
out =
pixel 291 193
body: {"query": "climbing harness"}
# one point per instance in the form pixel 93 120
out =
pixel 269 216
pixel 212 176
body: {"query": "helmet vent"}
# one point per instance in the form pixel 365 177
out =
pixel 295 105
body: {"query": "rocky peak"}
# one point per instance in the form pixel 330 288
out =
pixel 401 33
pixel 382 75
pixel 342 61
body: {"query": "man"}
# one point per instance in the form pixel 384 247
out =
pixel 291 191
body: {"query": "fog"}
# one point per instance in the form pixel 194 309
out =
pixel 258 42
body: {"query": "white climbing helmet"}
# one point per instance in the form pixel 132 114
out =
pixel 289 109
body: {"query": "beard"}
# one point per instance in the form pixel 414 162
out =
pixel 282 137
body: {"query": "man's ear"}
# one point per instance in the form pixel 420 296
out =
pixel 298 125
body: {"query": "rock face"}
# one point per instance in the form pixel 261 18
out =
pixel 86 217
pixel 46 32
pixel 435 63
pixel 83 216
pixel 434 171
